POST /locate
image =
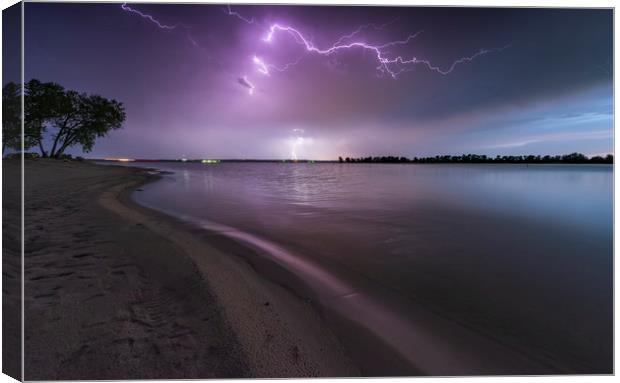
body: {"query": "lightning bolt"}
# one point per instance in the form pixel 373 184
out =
pixel 392 66
pixel 363 27
pixel 262 67
pixel 161 25
pixel 386 64
pixel 297 141
pixel 230 12
pixel 266 69
pixel 434 68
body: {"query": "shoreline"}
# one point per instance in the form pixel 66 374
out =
pixel 301 310
pixel 279 331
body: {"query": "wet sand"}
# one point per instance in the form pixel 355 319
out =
pixel 113 290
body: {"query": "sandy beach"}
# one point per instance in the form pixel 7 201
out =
pixel 116 291
pixel 11 269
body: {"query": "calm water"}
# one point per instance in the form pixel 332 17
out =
pixel 521 255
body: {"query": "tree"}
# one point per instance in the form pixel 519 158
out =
pixel 11 116
pixel 83 119
pixel 42 103
pixel 573 158
pixel 70 118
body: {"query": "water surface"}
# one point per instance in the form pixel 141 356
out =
pixel 521 255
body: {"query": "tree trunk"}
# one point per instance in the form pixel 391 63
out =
pixel 68 142
pixel 53 150
pixel 63 130
pixel 43 153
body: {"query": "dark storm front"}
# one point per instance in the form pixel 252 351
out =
pixel 457 269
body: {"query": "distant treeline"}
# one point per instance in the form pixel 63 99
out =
pixel 573 158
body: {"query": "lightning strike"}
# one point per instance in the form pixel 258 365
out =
pixel 363 27
pixel 392 66
pixel 262 67
pixel 127 8
pixel 298 140
pixel 160 25
pixel 266 69
pixel 230 12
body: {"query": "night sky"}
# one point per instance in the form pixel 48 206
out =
pixel 526 81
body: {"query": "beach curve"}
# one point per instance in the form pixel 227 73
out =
pixel 280 334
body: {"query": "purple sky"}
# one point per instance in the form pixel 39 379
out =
pixel 185 82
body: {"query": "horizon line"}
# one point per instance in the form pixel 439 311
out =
pixel 198 159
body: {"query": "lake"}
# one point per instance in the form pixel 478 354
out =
pixel 446 265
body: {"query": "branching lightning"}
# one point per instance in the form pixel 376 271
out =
pixel 262 67
pixel 148 17
pixel 387 64
pixel 392 66
pixel 230 12
pixel 266 69
pixel 160 25
pixel 363 27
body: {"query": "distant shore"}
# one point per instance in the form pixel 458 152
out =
pixel 114 290
pixel 571 159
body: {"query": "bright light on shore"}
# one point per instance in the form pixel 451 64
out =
pixel 120 159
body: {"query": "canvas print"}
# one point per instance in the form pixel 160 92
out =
pixel 199 191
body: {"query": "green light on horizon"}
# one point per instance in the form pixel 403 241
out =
pixel 210 161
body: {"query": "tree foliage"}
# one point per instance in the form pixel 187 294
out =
pixel 67 118
pixel 573 158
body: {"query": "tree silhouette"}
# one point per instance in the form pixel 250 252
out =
pixel 41 105
pixel 573 158
pixel 69 117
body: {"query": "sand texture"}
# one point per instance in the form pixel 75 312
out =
pixel 11 269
